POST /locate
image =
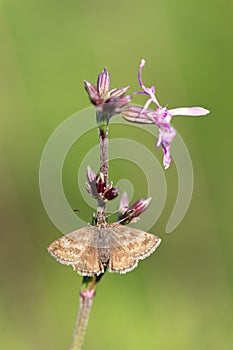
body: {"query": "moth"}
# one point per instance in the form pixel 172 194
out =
pixel 93 249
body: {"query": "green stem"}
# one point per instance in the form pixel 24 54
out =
pixel 86 299
pixel 87 294
pixel 88 288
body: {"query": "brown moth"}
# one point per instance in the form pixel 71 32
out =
pixel 93 249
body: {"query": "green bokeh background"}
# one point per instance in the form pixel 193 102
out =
pixel 181 297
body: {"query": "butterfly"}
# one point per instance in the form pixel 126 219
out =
pixel 93 249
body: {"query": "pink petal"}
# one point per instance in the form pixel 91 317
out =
pixel 168 135
pixel 189 111
pixel 167 156
pixel 148 91
pixel 142 64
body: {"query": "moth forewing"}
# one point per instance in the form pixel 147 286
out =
pixel 92 249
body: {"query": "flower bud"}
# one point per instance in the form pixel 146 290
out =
pixel 107 102
pixel 118 92
pixel 111 193
pixel 91 179
pixel 132 213
pixel 115 105
pixel 140 206
pixel 93 93
pixel 123 204
pixel 103 82
pixel 100 183
pixel 137 114
pixel 91 175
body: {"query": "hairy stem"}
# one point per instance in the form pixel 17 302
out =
pixel 86 299
pixel 87 292
pixel 103 134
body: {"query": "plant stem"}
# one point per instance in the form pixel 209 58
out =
pixel 88 288
pixel 103 134
pixel 86 299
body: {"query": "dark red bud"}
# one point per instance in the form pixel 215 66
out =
pixel 140 206
pixel 111 193
pixel 131 214
pixel 100 183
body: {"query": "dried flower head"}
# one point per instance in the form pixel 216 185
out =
pixel 107 102
pixel 98 188
pixel 131 214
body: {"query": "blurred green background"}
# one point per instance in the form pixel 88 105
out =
pixel 179 298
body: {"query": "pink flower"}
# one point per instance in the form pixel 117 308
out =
pixel 161 116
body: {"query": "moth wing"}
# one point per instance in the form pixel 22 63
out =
pixel 120 260
pixel 128 245
pixel 79 249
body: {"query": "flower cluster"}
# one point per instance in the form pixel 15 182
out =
pixel 98 188
pixel 161 116
pixel 110 102
pixel 107 102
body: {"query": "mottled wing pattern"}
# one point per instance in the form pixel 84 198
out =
pixel 91 249
pixel 79 249
pixel 128 245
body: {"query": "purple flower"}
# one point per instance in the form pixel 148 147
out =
pixel 107 102
pixel 161 116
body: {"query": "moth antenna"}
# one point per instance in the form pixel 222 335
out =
pixel 82 212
